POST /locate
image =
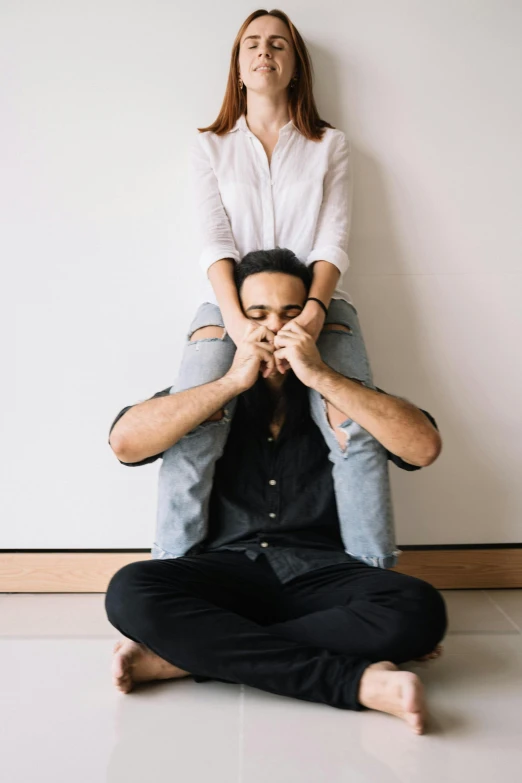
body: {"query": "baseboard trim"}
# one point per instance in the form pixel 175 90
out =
pixel 464 567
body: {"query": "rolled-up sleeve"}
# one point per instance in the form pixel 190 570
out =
pixel 214 230
pixel 147 460
pixel 333 223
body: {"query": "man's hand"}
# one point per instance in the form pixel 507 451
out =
pixel 239 328
pixel 296 348
pixel 255 353
pixel 311 319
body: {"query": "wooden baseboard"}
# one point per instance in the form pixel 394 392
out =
pixel 483 566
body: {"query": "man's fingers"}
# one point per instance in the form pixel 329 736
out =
pixel 293 326
pixel 281 361
pixel 264 346
pixel 266 356
pixel 263 332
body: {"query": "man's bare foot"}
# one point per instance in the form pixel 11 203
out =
pixel 436 653
pixel 133 662
pixel 383 687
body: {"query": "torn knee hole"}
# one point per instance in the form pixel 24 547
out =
pixel 207 332
pixel 335 417
pixel 337 328
pixel 217 416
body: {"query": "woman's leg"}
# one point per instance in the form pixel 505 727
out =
pixel 187 470
pixel 360 464
pixel 206 614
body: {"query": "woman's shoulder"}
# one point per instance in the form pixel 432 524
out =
pixel 335 136
pixel 333 141
pixel 208 141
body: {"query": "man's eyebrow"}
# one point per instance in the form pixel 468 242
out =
pixel 270 36
pixel 267 307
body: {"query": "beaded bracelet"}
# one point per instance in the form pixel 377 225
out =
pixel 313 299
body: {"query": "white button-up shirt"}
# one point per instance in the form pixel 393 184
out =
pixel 301 201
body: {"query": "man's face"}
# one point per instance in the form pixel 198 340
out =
pixel 272 299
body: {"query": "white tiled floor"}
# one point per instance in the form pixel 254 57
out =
pixel 62 720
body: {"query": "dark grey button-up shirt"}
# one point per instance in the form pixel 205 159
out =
pixel 275 496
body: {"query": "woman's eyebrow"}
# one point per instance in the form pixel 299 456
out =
pixel 267 307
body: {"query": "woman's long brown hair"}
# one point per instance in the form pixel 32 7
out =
pixel 301 103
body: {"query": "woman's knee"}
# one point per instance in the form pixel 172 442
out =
pixel 208 333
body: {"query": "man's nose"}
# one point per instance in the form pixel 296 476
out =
pixel 274 324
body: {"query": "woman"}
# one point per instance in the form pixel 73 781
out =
pixel 270 173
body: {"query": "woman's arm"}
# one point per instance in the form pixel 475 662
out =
pixel 218 251
pixel 221 276
pixel 329 255
pixel 324 282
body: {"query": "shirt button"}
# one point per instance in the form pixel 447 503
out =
pixel 272 482
pixel 264 543
pixel 270 440
pixel 272 515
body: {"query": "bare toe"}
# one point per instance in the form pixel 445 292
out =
pixel 123 655
pixel 436 653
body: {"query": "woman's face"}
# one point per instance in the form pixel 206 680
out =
pixel 273 46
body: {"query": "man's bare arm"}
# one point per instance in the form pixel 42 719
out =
pixel 155 425
pixel 401 427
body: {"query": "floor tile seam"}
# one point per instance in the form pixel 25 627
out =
pixel 508 618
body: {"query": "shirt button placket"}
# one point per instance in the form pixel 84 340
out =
pixel 273 497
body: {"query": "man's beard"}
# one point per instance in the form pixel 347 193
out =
pixel 258 404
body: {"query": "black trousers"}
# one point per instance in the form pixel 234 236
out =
pixel 225 617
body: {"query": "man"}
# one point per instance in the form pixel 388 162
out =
pixel 270 598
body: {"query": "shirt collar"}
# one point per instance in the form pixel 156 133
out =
pixel 241 124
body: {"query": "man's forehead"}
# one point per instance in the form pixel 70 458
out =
pixel 276 289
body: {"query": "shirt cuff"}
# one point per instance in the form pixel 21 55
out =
pixel 333 254
pixel 214 253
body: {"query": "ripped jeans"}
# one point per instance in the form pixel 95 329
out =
pixel 360 467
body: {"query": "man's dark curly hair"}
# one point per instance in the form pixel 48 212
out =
pixel 280 259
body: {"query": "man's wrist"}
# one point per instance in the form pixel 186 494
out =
pixel 322 376
pixel 231 384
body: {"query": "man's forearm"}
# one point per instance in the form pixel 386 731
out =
pixel 155 425
pixel 401 427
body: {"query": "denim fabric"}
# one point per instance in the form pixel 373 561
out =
pixel 360 470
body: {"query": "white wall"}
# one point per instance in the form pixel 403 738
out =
pixel 99 276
